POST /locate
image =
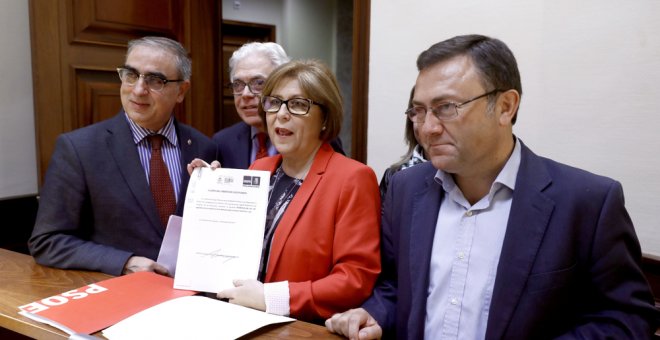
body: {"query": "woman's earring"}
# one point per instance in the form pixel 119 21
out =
pixel 323 128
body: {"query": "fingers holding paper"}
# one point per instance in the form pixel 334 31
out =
pixel 143 264
pixel 248 293
pixel 200 163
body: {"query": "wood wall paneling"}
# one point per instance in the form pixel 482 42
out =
pixel 46 76
pixel 202 31
pixel 98 96
pixel 117 21
pixel 234 35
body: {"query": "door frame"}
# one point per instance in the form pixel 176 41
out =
pixel 360 104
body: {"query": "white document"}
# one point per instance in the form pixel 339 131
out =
pixel 222 230
pixel 192 317
pixel 169 249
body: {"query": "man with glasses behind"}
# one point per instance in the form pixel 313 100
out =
pixel 249 67
pixel 111 186
pixel 489 240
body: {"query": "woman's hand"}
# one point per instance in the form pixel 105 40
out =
pixel 248 293
pixel 200 163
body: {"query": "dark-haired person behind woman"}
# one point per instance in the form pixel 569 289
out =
pixel 321 251
pixel 413 156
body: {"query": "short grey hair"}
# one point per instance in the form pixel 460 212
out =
pixel 183 62
pixel 273 51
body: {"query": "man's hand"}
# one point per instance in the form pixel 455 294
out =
pixel 354 324
pixel 143 264
pixel 248 293
pixel 200 163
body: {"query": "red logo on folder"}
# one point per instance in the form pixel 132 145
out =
pixel 92 308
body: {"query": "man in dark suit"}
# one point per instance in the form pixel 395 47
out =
pixel 249 66
pixel 99 209
pixel 489 240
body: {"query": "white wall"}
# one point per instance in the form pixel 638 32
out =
pixel 255 11
pixel 306 29
pixel 590 72
pixel 18 162
pixel 309 29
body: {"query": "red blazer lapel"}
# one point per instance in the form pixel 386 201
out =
pixel 297 205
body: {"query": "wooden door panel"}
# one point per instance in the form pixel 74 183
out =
pixel 118 21
pixel 229 114
pixel 97 93
pixel 234 35
pixel 227 51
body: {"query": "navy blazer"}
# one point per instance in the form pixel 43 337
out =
pixel 235 146
pixel 569 266
pixel 96 208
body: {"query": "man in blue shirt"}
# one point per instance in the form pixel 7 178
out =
pixel 489 240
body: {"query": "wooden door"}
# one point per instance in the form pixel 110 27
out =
pixel 77 45
pixel 234 35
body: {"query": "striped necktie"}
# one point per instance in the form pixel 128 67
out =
pixel 159 181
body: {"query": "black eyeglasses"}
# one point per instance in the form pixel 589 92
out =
pixel 443 111
pixel 153 81
pixel 295 106
pixel 255 86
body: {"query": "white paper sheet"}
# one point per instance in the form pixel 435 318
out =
pixel 169 249
pixel 222 229
pixel 192 317
pixel 39 318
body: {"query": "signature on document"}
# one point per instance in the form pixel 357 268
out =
pixel 218 253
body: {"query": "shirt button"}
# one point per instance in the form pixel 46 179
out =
pixel 454 301
pixel 461 255
pixel 469 213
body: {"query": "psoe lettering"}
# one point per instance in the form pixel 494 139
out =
pixel 57 300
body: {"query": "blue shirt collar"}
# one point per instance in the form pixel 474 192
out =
pixel 506 177
pixel 139 133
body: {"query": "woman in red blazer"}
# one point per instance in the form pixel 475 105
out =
pixel 321 251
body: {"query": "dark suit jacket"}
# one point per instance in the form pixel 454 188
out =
pixel 96 208
pixel 570 261
pixel 235 144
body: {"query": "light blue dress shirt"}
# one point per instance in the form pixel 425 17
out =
pixel 466 250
